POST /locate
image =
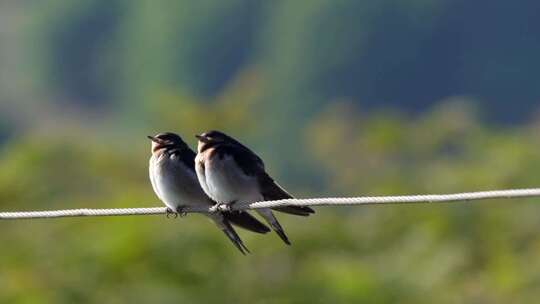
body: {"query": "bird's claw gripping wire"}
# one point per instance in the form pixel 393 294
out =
pixel 178 212
pixel 181 211
pixel 220 207
pixel 169 212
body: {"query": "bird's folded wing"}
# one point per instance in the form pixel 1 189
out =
pixel 272 191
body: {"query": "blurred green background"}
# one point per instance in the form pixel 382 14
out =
pixel 341 98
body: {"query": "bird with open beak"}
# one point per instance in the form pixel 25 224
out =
pixel 173 178
pixel 231 173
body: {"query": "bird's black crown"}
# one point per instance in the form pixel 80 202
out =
pixel 167 140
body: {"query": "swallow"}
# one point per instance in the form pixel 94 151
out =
pixel 173 178
pixel 229 173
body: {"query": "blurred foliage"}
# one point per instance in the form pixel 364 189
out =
pixel 481 252
pixel 406 54
pixel 338 97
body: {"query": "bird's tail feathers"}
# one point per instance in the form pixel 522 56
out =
pixel 295 210
pixel 271 219
pixel 247 221
pixel 234 237
pixel 229 231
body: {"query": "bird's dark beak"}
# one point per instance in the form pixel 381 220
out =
pixel 152 138
pixel 202 138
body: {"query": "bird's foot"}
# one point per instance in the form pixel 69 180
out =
pixel 170 212
pixel 218 207
pixel 181 210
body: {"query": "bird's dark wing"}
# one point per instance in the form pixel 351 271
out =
pixel 247 221
pixel 187 156
pixel 246 160
pixel 253 165
pixel 272 191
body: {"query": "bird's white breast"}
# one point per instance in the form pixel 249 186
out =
pixel 201 174
pixel 227 183
pixel 174 183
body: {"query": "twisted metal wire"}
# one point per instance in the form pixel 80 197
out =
pixel 327 201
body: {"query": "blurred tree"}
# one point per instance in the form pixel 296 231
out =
pixel 75 41
pixel 412 254
pixel 498 45
pixel 406 54
pixel 194 47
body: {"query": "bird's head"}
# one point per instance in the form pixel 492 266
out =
pixel 212 138
pixel 166 140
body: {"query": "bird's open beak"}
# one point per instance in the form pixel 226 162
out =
pixel 202 138
pixel 152 138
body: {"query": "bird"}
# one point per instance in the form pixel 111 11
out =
pixel 230 173
pixel 173 178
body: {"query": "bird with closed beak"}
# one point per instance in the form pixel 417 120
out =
pixel 174 180
pixel 229 173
